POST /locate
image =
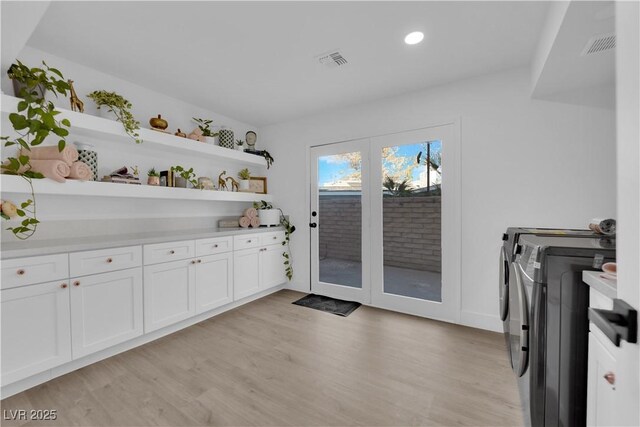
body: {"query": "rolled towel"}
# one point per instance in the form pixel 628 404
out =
pixel 250 213
pixel 69 154
pixel 57 170
pixel 244 222
pixel 603 226
pixel 255 222
pixel 80 171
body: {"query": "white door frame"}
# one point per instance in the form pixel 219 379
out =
pixel 454 221
pixel 363 294
pixel 449 308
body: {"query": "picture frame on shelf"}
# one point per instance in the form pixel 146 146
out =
pixel 258 184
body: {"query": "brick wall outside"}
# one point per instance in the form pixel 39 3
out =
pixel 411 230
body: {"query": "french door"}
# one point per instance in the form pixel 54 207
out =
pixel 385 221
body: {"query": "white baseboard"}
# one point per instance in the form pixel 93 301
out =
pixel 32 381
pixel 298 286
pixel 481 321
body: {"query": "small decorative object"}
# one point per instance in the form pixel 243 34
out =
pixel 205 183
pixel 207 132
pixel 239 143
pixel 34 120
pixel 251 137
pixel 258 184
pixel 88 157
pixel 228 223
pixel 222 184
pixel 244 176
pixel 234 183
pixel 226 138
pixel 153 177
pixel 184 176
pixel 197 135
pixel 76 104
pixel 124 175
pixel 166 178
pixel 158 123
pixel 264 207
pixel 121 108
pixel 180 134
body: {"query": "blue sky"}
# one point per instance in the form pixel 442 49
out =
pixel 331 169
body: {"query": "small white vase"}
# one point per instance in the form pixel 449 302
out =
pixel 211 140
pixel 269 217
pixel 243 184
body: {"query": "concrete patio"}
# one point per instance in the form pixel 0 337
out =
pixel 408 282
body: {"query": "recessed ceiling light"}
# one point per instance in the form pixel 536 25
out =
pixel 414 38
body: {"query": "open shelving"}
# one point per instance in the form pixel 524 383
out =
pixel 14 184
pixel 111 132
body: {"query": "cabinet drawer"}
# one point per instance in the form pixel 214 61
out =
pixel 104 260
pixel 246 241
pixel 216 245
pixel 273 238
pixel 28 271
pixel 172 251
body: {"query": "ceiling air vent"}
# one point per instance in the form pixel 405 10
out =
pixel 599 43
pixel 331 59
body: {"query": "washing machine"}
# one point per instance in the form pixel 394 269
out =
pixel 548 324
pixel 508 253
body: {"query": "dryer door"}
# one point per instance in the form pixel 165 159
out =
pixel 518 321
pixel 504 284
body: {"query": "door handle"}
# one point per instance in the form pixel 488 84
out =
pixel 618 324
pixel 313 225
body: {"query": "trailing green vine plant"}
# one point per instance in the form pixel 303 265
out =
pixel 288 231
pixel 33 122
pixel 121 108
pixel 187 174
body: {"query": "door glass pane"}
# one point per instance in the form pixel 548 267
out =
pixel 340 219
pixel 411 197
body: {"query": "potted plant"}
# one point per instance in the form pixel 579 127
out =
pixel 34 121
pixel 121 108
pixel 183 177
pixel 153 177
pixel 267 212
pixel 205 126
pixel 244 176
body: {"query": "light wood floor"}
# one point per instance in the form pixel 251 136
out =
pixel 274 363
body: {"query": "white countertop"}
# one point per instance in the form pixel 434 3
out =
pixel 53 246
pixel 606 287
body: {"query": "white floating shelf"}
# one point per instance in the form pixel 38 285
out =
pixel 112 131
pixel 15 185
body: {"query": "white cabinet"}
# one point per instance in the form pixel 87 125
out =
pixel 169 293
pixel 214 281
pixel 166 252
pixel 104 260
pixel 36 330
pixel 37 269
pixel 106 309
pixel 272 266
pixel 258 268
pixel 246 272
pixel 601 388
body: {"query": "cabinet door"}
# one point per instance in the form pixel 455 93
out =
pixel 36 331
pixel 106 309
pixel 169 293
pixel 246 273
pixel 272 266
pixel 214 281
pixel 601 394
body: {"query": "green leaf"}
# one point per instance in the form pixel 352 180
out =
pixel 18 121
pixel 56 71
pixel 66 122
pixel 60 131
pixel 22 105
pixel 48 120
pixel 23 160
pixel 61 145
pixel 20 213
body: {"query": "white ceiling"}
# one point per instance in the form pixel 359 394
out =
pixel 254 61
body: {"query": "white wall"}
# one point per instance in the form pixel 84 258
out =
pixel 524 163
pixel 54 211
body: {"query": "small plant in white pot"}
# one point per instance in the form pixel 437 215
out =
pixel 266 212
pixel 183 177
pixel 208 133
pixel 244 176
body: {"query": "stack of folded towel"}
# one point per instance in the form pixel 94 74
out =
pixel 249 218
pixel 58 165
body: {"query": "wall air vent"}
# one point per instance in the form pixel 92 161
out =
pixel 331 59
pixel 599 43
